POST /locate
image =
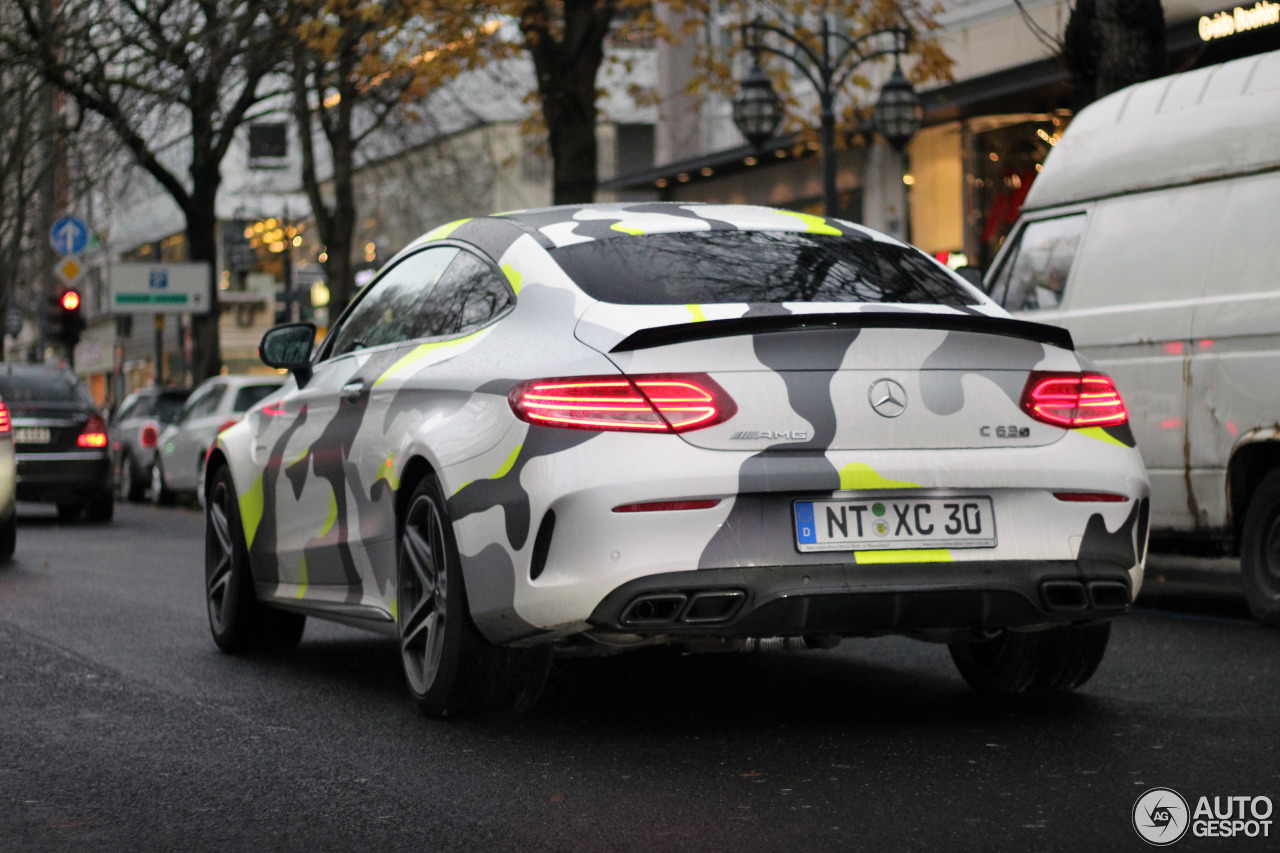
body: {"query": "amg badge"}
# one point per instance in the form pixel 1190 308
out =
pixel 772 434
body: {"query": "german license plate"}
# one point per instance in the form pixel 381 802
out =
pixel 31 435
pixel 882 523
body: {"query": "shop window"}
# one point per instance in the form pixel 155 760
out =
pixel 1034 274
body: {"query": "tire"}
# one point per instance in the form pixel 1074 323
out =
pixel 240 624
pixel 449 667
pixel 1260 551
pixel 1051 661
pixel 129 486
pixel 69 511
pixel 160 495
pixel 101 508
pixel 9 536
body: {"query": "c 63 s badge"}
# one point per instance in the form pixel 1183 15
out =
pixel 1005 431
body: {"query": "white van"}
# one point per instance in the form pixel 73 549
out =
pixel 1153 236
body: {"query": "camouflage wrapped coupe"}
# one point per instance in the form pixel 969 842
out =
pixel 598 428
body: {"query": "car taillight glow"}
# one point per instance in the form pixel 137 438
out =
pixel 5 425
pixel 94 433
pixel 149 436
pixel 649 403
pixel 1073 400
pixel 667 506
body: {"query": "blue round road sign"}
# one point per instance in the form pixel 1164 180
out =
pixel 69 236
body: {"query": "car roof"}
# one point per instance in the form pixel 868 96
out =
pixel 552 227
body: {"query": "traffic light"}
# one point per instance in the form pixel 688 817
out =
pixel 65 321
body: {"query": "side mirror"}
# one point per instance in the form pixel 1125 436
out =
pixel 289 347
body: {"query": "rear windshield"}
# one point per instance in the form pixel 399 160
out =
pixel 167 406
pixel 41 386
pixel 250 394
pixel 756 266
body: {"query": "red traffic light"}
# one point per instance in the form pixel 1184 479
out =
pixel 70 300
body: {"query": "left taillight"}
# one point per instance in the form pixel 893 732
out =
pixel 5 424
pixel 149 436
pixel 94 433
pixel 648 403
pixel 1073 400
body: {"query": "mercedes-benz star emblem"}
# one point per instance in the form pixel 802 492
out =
pixel 888 398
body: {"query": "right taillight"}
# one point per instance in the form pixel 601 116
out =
pixel 149 436
pixel 1073 400
pixel 5 424
pixel 649 403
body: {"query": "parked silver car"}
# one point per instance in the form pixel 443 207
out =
pixel 216 404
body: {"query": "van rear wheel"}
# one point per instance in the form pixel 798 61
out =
pixel 1260 552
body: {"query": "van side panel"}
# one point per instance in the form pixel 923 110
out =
pixel 1138 274
pixel 1235 346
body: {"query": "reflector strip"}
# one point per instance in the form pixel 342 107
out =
pixel 1085 497
pixel 666 506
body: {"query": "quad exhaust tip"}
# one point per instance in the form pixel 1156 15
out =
pixel 700 608
pixel 1064 596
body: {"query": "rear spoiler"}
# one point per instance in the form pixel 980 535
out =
pixel 770 324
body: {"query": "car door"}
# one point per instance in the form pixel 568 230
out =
pixel 312 480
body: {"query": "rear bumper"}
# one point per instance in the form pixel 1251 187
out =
pixel 940 599
pixel 70 476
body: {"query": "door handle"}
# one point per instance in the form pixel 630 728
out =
pixel 354 390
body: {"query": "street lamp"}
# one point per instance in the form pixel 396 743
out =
pixel 757 110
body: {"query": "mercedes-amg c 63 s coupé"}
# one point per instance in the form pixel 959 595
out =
pixel 599 428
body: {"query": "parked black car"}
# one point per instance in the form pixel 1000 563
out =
pixel 60 440
pixel 135 429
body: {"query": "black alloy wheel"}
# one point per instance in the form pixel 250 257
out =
pixel 1260 551
pixel 450 668
pixel 238 621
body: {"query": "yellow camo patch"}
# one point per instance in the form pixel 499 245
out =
pixel 505 468
pixel 332 516
pixel 860 477
pixel 387 471
pixel 923 555
pixel 251 511
pixel 1101 435
pixel 634 232
pixel 813 224
pixel 421 352
pixel 443 231
pixel 698 315
pixel 513 275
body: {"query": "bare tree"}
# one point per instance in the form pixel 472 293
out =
pixel 24 165
pixel 359 66
pixel 174 81
pixel 1108 44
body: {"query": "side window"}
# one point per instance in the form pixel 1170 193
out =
pixel 1034 273
pixel 209 404
pixel 127 410
pixel 470 294
pixel 394 308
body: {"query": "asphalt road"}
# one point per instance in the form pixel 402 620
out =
pixel 123 728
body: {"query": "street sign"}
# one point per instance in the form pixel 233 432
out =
pixel 160 288
pixel 68 269
pixel 69 236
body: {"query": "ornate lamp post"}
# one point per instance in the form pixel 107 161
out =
pixel 757 109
